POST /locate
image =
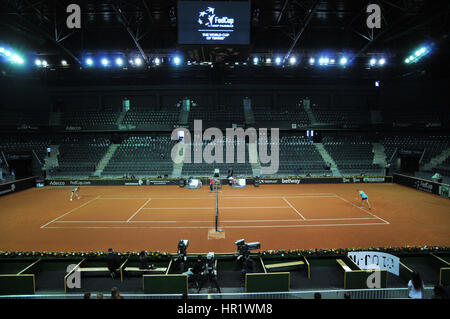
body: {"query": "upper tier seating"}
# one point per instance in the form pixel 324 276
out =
pixel 342 116
pixel 291 114
pixel 89 118
pixel 134 117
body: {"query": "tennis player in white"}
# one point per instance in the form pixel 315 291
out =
pixel 75 192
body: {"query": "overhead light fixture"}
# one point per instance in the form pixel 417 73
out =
pixel 119 61
pixel 292 60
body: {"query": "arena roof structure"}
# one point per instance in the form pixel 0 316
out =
pixel 305 30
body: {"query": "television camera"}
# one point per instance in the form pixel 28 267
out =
pixel 181 255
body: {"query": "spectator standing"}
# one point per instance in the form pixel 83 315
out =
pixel 113 261
pixel 415 286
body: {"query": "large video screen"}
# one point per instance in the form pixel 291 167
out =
pixel 217 22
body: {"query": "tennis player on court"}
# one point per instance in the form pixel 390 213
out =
pixel 75 192
pixel 364 198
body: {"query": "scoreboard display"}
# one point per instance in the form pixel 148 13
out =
pixel 217 22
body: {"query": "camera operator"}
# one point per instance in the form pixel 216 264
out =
pixel 194 273
pixel 181 257
pixel 209 273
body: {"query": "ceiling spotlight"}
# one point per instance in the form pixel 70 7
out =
pixel 278 60
pixel 44 63
pixel 343 61
pixel 105 62
pixel 255 60
pixel 138 61
pixel 373 61
pixel 119 61
pixel 381 61
pixel 2 50
pixel 157 61
pixel 64 63
pixel 311 60
pixel 7 53
pixel 89 62
pixel 321 61
pixel 176 60
pixel 332 61
pixel 38 62
pixel 268 60
pixel 292 60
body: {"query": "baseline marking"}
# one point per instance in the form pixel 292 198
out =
pixel 196 227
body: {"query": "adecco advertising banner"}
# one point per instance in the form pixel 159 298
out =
pixel 112 182
pixel 422 185
pixel 372 259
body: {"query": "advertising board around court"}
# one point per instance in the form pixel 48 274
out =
pixel 248 181
pixel 17 185
pixel 423 185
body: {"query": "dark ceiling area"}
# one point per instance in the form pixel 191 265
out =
pixel 278 27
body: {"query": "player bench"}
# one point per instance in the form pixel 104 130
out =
pixel 343 265
pixel 285 265
pixel 156 270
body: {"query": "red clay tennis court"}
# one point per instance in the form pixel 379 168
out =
pixel 155 218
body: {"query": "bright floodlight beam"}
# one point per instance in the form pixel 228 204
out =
pixel 311 60
pixel 343 61
pixel 176 60
pixel 373 61
pixel 119 61
pixel 38 62
pixel 105 62
pixel 138 61
pixel 292 60
pixel 381 61
pixel 89 62
pixel 255 60
pixel 278 60
pixel 64 63
pixel 157 61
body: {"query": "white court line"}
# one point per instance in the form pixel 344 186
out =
pixel 126 198
pixel 128 220
pixel 198 208
pixel 284 198
pixel 209 227
pixel 362 209
pixel 74 209
pixel 207 221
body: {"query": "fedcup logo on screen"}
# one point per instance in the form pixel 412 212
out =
pixel 235 139
pixel 208 18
